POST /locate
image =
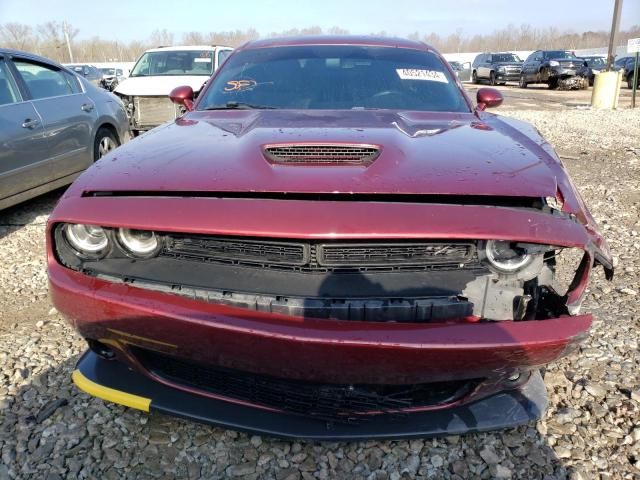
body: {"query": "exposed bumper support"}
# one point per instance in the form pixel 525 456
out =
pixel 113 381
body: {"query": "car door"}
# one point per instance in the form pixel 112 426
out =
pixel 465 74
pixel 67 113
pixel 484 69
pixel 529 67
pixel 23 151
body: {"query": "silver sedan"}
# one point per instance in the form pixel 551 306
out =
pixel 53 125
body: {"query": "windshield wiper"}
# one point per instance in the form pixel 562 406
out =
pixel 240 106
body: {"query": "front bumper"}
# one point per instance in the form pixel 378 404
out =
pixel 508 76
pixel 115 382
pixel 562 72
pixel 306 349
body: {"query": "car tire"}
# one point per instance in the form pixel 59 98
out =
pixel 522 83
pixel 492 79
pixel 104 142
pixel 553 83
pixel 474 77
pixel 629 82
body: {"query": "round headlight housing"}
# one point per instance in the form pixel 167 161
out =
pixel 554 63
pixel 87 240
pixel 507 256
pixel 139 243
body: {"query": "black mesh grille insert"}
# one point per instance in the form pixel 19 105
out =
pixel 314 256
pixel 322 154
pixel 329 402
pixel 230 250
pixel 412 254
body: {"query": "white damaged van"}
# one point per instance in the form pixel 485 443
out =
pixel 145 93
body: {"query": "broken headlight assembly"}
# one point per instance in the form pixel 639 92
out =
pixel 507 257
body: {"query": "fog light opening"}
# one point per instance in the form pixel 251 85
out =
pixel 100 349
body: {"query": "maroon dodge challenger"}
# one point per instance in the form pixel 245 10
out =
pixel 331 242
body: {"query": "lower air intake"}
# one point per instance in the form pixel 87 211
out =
pixel 329 402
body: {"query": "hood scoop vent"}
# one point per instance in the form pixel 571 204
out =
pixel 321 154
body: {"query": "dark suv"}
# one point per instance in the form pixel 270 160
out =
pixel 628 66
pixel 497 68
pixel 556 68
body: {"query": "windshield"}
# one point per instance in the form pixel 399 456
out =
pixel 335 77
pixel 596 61
pixel 559 54
pixel 505 57
pixel 174 62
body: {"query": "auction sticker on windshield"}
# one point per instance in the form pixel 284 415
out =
pixel 417 74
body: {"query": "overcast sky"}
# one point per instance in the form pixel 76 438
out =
pixel 129 20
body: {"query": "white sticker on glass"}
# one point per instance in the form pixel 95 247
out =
pixel 417 74
pixel 202 60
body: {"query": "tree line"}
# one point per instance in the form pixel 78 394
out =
pixel 48 40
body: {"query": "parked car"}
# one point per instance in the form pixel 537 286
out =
pixel 621 62
pixel 158 71
pixel 592 64
pixel 332 242
pixel 497 68
pixel 111 77
pixel 89 72
pixel 556 68
pixel 629 65
pixel 53 125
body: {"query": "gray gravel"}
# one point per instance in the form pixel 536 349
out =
pixel 592 428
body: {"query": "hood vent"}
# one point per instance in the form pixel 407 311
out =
pixel 321 154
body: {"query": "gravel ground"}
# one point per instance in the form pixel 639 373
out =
pixel 592 428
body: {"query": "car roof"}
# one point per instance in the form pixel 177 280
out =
pixel 360 40
pixel 31 56
pixel 207 48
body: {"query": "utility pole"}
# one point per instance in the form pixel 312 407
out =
pixel 615 23
pixel 65 29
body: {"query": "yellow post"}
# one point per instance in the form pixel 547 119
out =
pixel 606 88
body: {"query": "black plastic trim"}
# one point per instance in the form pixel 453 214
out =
pixel 502 410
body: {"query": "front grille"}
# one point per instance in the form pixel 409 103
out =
pixel 318 256
pixel 408 254
pixel 230 250
pixel 154 110
pixel 321 154
pixel 339 403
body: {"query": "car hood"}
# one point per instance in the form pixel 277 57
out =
pixel 508 64
pixel 159 85
pixel 421 153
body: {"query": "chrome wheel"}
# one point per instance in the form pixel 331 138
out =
pixel 105 146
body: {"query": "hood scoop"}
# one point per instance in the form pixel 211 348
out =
pixel 330 154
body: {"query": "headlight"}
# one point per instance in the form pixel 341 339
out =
pixel 139 243
pixel 507 256
pixel 501 69
pixel 553 63
pixel 87 240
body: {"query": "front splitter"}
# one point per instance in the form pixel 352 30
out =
pixel 114 381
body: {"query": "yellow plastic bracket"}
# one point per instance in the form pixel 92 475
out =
pixel 110 394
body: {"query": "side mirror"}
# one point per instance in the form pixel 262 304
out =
pixel 182 95
pixel 488 98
